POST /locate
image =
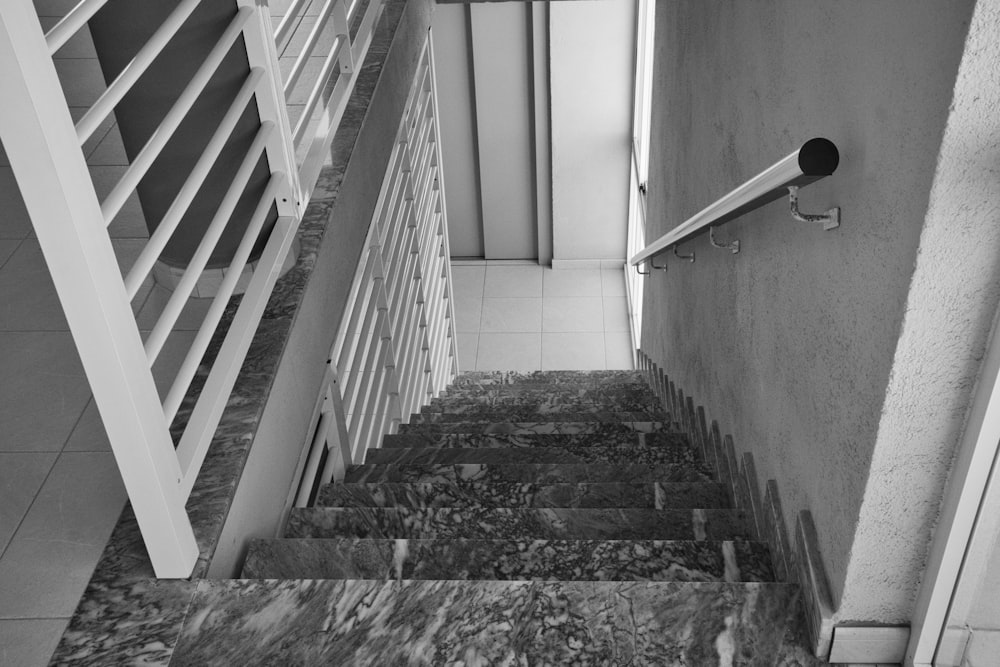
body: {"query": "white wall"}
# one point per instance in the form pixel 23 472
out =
pixel 592 61
pixel 451 62
pixel 503 123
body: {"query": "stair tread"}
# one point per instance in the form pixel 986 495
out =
pixel 359 622
pixel 544 427
pixel 619 438
pixel 635 454
pixel 521 473
pixel 653 495
pixel 557 560
pixel 534 523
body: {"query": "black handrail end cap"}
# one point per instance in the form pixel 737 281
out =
pixel 818 157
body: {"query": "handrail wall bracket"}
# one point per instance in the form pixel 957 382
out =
pixel 689 258
pixel 829 220
pixel 732 246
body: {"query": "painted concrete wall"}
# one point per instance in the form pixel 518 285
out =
pixel 791 343
pixel 503 121
pixel 458 133
pixel 592 47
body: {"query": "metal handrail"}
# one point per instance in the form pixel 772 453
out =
pixel 814 160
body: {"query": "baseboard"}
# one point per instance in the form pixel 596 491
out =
pixel 803 563
pixel 588 263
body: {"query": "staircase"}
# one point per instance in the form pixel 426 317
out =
pixel 549 518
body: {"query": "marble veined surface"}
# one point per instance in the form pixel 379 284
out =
pixel 608 454
pixel 512 414
pixel 519 560
pixel 546 473
pixel 653 495
pixel 619 438
pixel 596 428
pixel 516 523
pixel 623 399
pixel 484 623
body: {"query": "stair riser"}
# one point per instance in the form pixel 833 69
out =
pixel 541 428
pixel 509 560
pixel 529 416
pixel 636 455
pixel 348 623
pixel 548 524
pixel 546 402
pixel 543 378
pixel 415 496
pixel 563 440
pixel 540 473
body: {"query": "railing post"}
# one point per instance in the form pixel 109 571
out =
pixel 44 152
pixel 262 52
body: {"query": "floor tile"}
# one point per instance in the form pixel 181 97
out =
pixel 512 315
pixel 618 350
pixel 57 8
pixel 573 351
pixel 616 313
pixel 468 347
pixel 82 80
pixel 513 280
pixel 190 319
pixel 21 477
pixel 468 281
pixel 30 642
pixel 80 45
pixel 613 282
pixel 468 313
pixel 44 578
pixel 40 409
pixel 571 282
pixel 28 297
pixel 14 220
pixel 7 248
pixel 572 313
pixel 171 357
pixel 79 502
pixel 509 351
pixel 130 222
pixel 110 152
pixel 89 434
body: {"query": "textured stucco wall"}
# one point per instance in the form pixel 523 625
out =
pixel 790 343
pixel 948 316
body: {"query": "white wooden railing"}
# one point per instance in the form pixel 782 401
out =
pixel 43 145
pixel 395 348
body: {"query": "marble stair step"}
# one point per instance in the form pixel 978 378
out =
pixel 516 523
pixel 363 622
pixel 527 416
pixel 546 401
pixel 654 495
pixel 572 378
pixel 519 393
pixel 568 441
pixel 524 473
pixel 600 428
pixel 611 454
pixel 509 560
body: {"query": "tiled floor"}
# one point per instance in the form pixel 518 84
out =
pixel 522 316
